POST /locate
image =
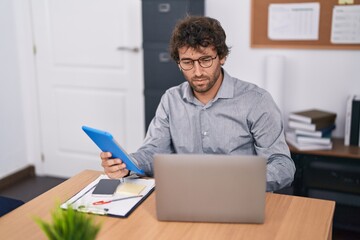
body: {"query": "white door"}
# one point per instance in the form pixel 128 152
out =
pixel 90 72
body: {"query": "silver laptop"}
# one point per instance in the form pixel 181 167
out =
pixel 210 188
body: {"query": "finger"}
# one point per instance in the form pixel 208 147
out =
pixel 117 167
pixel 114 167
pixel 114 175
pixel 119 174
pixel 110 162
pixel 105 155
pixel 122 166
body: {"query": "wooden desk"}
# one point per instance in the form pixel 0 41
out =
pixel 286 217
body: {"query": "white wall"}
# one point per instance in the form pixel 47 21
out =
pixel 312 78
pixel 12 144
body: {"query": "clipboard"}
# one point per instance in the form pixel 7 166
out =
pixel 83 201
pixel 106 142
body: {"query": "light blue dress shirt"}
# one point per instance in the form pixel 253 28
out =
pixel 242 119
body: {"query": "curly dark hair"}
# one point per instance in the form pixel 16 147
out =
pixel 196 32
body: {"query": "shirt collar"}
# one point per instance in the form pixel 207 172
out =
pixel 227 87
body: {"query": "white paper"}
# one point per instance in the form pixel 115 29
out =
pixel 345 26
pixel 294 21
pixel 118 208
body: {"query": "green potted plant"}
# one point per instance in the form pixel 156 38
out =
pixel 69 224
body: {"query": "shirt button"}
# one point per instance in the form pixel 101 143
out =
pixel 205 133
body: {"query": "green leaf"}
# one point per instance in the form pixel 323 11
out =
pixel 69 224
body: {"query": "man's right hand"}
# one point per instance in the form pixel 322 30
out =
pixel 113 167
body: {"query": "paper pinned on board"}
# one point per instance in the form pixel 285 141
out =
pixel 345 28
pixel 294 21
pixel 346 1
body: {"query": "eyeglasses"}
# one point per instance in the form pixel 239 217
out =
pixel 188 64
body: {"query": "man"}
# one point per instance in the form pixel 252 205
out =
pixel 212 112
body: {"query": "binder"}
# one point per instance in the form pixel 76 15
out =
pixel 84 201
pixel 355 121
pixel 348 119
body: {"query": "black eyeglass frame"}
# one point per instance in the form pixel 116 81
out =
pixel 199 61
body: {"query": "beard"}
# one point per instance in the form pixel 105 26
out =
pixel 202 84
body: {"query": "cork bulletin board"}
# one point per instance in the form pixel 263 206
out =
pixel 259 26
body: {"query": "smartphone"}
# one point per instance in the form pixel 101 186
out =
pixel 106 187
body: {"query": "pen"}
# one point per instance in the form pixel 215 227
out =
pixel 118 199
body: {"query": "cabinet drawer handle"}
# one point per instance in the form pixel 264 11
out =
pixel 164 7
pixel 131 49
pixel 164 57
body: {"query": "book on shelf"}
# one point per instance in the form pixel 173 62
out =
pixel 309 126
pixel 303 139
pixel 348 119
pixel 355 121
pixel 291 139
pixel 325 132
pixel 313 116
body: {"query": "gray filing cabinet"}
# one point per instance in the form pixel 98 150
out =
pixel 160 71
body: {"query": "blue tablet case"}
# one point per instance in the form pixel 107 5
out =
pixel 107 143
